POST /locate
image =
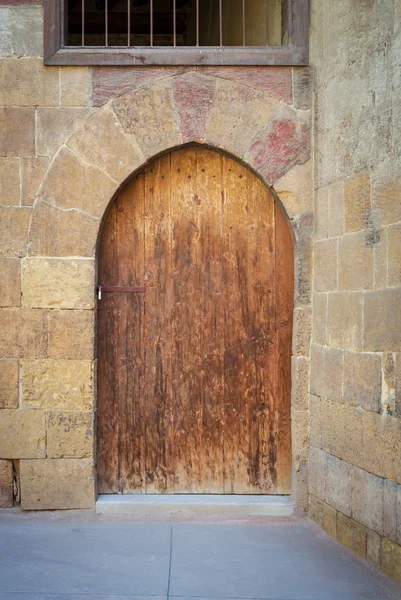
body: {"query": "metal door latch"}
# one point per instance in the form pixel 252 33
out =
pixel 118 289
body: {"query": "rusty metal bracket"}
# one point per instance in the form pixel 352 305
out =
pixel 123 289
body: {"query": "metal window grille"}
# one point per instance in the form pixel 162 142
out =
pixel 176 31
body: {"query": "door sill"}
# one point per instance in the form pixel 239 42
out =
pixel 195 505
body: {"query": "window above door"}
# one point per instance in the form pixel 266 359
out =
pixel 176 32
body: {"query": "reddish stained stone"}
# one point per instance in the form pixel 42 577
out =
pixel 111 82
pixel 283 144
pixel 19 2
pixel 193 97
pixel 274 81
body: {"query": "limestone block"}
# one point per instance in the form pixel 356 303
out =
pixel 342 432
pixel 302 331
pixel 55 125
pixel 22 434
pixel 390 525
pixel 6 482
pixel 302 229
pixel 388 401
pixel 70 435
pixel 325 265
pixel 72 184
pixel 381 261
pixel 237 115
pixel 356 201
pixel 381 445
pixel 391 559
pixel 355 263
pixel 302 88
pixel 10 282
pixel 339 485
pixel 71 334
pixel 57 484
pixel 150 116
pixel 21 31
pixel 326 372
pixel 367 499
pixel 336 209
pixel 9 393
pixel 373 548
pixel 344 320
pixel 283 143
pixel 382 323
pixel 351 534
pixel 57 384
pixel 321 221
pixel 9 182
pixel 294 190
pixel 23 333
pixel 32 173
pixel 386 197
pixel 26 81
pixel 394 255
pixel 75 86
pixel 324 515
pixel 102 142
pixel 58 283
pixel 317 472
pixel 14 224
pixel 193 98
pixel 274 81
pixel 362 380
pixel 300 438
pixel 315 427
pixel 319 316
pixel 18 131
pixel 300 379
pixel 58 232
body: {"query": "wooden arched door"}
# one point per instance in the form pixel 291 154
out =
pixel 194 366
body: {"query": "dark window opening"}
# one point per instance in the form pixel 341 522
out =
pixel 176 23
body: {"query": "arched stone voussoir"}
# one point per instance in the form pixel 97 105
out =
pixel 150 115
pixel 70 183
pixel 102 142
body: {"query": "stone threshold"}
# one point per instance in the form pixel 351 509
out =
pixel 195 505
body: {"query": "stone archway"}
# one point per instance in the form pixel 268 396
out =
pixel 271 138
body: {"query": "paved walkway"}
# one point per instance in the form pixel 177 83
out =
pixel 42 560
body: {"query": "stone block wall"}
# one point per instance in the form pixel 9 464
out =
pixel 355 431
pixel 70 138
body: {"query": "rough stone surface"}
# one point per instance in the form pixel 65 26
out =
pixel 9 393
pixel 382 333
pixel 391 559
pixel 319 319
pixel 71 334
pixel 274 81
pixel 339 485
pixel 394 256
pixel 317 472
pixel 367 500
pixel 14 22
pixel 373 548
pixel 69 435
pixel 381 445
pixel 321 213
pixel 72 184
pixel 103 143
pixel 344 320
pixel 57 384
pixel 14 231
pixel 325 265
pixel 237 115
pixel 151 117
pixel 27 82
pixel 18 131
pixel 326 372
pixel 302 331
pixel 6 482
pixel 342 432
pixel 351 534
pixel 75 86
pixel 357 201
pixel 32 173
pixel 59 232
pixel 362 380
pixel 22 434
pixel 23 333
pixel 300 375
pixel 58 283
pixel 9 182
pixel 355 263
pixel 336 209
pixel 55 126
pixel 193 97
pixel 57 484
pixel 324 515
pixel 294 190
pixel 10 282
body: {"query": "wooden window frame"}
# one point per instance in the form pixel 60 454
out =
pixel 296 53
